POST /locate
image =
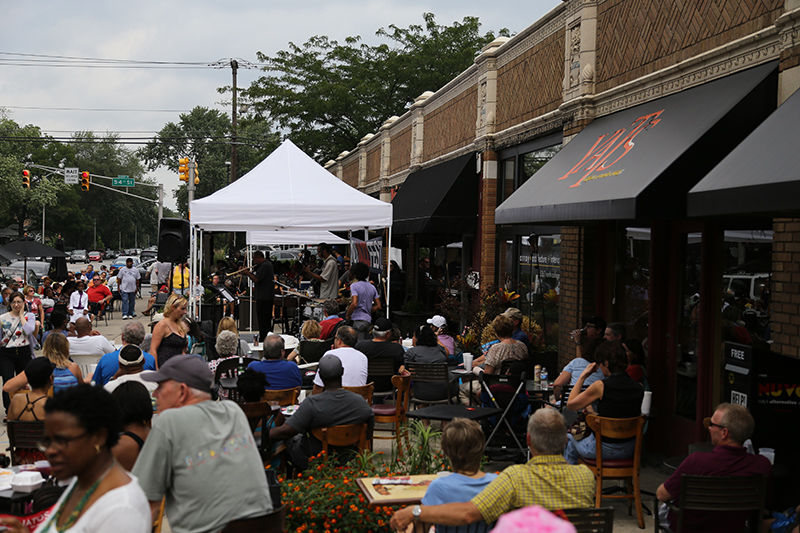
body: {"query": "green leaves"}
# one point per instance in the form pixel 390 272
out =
pixel 329 95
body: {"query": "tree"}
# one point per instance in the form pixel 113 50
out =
pixel 18 145
pixel 204 134
pixel 329 95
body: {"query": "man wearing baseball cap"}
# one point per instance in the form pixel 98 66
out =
pixel 381 347
pixel 200 454
pixel 518 335
pixel 334 406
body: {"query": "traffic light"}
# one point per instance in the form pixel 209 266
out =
pixel 26 179
pixel 84 181
pixel 196 175
pixel 183 169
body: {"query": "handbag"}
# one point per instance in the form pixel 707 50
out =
pixel 580 429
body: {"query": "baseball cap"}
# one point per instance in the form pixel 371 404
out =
pixel 513 312
pixel 438 321
pixel 187 369
pixel 330 367
pixel 595 321
pixel 383 324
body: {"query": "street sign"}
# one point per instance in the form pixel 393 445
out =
pixel 122 181
pixel 71 176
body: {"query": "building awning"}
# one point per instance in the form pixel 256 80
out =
pixel 761 175
pixel 441 199
pixel 640 163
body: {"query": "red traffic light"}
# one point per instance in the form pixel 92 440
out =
pixel 26 179
pixel 85 174
pixel 85 181
pixel 26 173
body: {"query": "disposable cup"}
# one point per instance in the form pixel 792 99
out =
pixel 467 361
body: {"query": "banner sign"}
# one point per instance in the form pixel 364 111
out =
pixel 369 252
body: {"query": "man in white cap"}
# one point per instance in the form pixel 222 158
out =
pixel 333 407
pixel 200 454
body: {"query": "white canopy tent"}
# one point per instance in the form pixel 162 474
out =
pixel 292 236
pixel 288 191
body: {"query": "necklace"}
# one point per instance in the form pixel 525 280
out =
pixel 73 517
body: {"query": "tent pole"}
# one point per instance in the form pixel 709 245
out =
pixel 389 273
pixel 252 285
pixel 199 260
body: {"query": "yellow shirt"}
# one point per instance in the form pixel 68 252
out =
pixel 178 281
pixel 545 480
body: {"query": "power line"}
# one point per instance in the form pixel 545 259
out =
pixel 98 109
pixel 43 60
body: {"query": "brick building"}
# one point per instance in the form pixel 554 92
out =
pixel 589 131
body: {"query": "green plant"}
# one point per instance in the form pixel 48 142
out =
pixel 421 451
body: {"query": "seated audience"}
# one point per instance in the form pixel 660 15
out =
pixel 251 385
pixel 462 443
pixel 584 355
pixel 65 373
pixel 380 347
pixel 330 309
pixel 439 325
pixel 131 365
pixel 729 427
pixel 280 373
pixel 107 367
pixel 334 406
pixel 617 396
pixel 635 352
pixel 353 361
pixel 427 349
pixel 87 343
pixel 227 347
pixel 81 427
pixel 311 331
pixel 136 413
pixel 201 494
pixel 29 407
pixel 58 323
pixel 546 480
pixel 99 296
pixel 227 323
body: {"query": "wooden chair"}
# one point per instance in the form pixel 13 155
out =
pixel 364 391
pixel 259 415
pixel 158 523
pixel 284 397
pixel 229 384
pixel 430 373
pixel 395 414
pixel 347 435
pixel 274 522
pixel 626 469
pixel 591 520
pixel 23 436
pixel 720 494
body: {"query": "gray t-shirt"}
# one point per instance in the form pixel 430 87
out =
pixel 329 408
pixel 330 272
pixel 204 459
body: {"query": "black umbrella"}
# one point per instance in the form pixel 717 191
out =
pixel 27 247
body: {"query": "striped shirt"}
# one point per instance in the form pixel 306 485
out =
pixel 545 480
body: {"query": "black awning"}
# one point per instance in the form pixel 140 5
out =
pixel 640 163
pixel 761 175
pixel 440 199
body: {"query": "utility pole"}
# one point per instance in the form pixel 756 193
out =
pixel 160 201
pixel 190 185
pixel 232 177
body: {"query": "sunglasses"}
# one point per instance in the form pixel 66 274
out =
pixel 709 424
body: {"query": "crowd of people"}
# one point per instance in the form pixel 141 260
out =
pixel 198 452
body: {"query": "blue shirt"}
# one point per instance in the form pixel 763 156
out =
pixel 455 488
pixel 281 374
pixel 519 335
pixel 109 365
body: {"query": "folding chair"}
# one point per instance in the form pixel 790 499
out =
pixel 503 392
pixel 311 351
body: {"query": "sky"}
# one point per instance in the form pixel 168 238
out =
pixel 138 102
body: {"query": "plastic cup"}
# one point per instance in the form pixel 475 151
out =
pixel 769 453
pixel 467 361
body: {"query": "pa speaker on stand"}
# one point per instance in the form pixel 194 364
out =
pixel 173 240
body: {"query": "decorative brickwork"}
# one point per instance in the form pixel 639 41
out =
pixel 789 58
pixel 785 304
pixel 451 126
pixel 576 299
pixel 350 173
pixel 638 37
pixel 400 151
pixel 374 164
pixel 532 84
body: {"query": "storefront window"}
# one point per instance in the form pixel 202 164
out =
pixel 746 286
pixel 688 326
pixel 631 298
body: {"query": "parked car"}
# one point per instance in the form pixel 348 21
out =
pixel 143 266
pixel 743 284
pixel 284 255
pixel 95 255
pixel 120 261
pixel 36 270
pixel 78 256
pixel 110 254
pixel 148 254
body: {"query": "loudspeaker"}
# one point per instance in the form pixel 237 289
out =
pixel 173 240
